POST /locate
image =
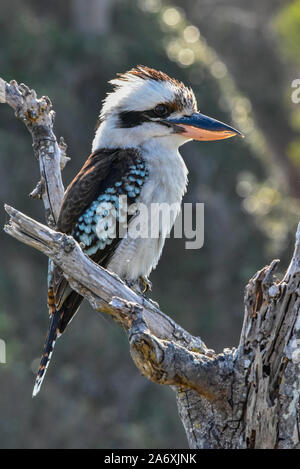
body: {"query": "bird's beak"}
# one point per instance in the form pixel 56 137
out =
pixel 201 127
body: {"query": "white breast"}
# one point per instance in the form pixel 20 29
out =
pixel 166 184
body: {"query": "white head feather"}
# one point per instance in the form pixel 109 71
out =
pixel 141 89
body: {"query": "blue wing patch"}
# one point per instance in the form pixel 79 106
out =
pixel 98 226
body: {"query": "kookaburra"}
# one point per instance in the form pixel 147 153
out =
pixel 142 123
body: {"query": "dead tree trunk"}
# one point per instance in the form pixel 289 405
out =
pixel 245 397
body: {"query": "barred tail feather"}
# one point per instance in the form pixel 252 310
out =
pixel 52 335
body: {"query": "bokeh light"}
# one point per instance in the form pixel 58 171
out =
pixel 171 16
pixel 191 34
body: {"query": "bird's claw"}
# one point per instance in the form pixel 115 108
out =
pixel 145 283
pixel 141 286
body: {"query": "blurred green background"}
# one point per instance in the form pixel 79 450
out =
pixel 240 57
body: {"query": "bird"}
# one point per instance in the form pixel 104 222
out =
pixel 135 159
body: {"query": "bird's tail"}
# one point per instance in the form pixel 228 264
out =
pixel 60 316
pixel 53 334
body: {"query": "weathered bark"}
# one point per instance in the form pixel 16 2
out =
pixel 242 398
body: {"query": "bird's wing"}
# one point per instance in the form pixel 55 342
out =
pixel 85 187
pixel 105 175
pixel 92 200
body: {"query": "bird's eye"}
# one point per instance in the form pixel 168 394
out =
pixel 161 110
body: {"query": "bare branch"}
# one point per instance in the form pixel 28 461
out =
pixel 244 398
pixel 161 349
pixel 38 116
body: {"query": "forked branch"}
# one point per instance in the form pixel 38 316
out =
pixel 242 398
pixel 161 349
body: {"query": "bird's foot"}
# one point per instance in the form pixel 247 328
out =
pixel 141 286
pixel 145 284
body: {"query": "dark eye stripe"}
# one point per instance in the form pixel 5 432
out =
pixel 129 119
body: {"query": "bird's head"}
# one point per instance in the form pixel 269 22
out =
pixel 147 104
